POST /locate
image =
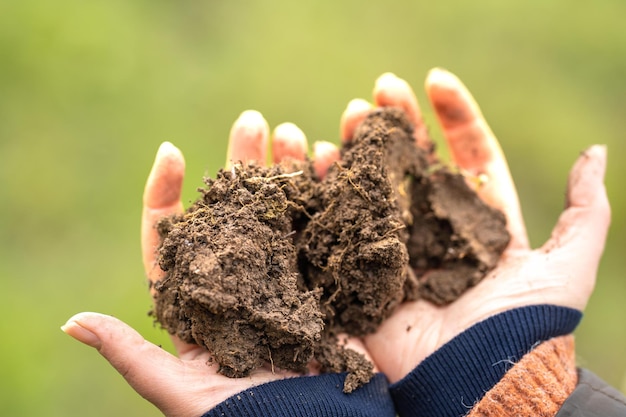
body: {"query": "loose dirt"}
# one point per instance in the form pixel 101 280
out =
pixel 271 265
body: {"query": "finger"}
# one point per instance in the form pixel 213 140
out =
pixel 150 370
pixel 324 155
pixel 352 116
pixel 161 198
pixel 288 141
pixel 248 139
pixel 475 149
pixel 391 91
pixel 581 230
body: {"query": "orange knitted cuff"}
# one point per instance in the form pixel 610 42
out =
pixel 537 385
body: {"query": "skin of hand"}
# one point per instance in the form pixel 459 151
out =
pixel 562 272
pixel 188 385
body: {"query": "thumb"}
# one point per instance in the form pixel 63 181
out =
pixel 145 366
pixel 581 230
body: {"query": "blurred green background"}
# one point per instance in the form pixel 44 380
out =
pixel 89 89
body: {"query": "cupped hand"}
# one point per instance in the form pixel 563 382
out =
pixel 187 385
pixel 562 272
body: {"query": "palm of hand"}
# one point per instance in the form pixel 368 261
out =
pixel 419 328
pixel 196 385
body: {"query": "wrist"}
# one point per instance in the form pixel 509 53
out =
pixel 459 373
pixel 309 396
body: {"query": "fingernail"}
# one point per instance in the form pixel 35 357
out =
pixel 352 116
pixel 325 149
pixel 593 160
pixel 388 80
pixel 251 117
pixel 250 130
pixel 438 70
pixel 358 105
pixel 289 141
pixel 440 77
pixel 389 75
pixel 598 151
pixel 166 149
pixel 81 334
pixel 291 132
pixel 324 154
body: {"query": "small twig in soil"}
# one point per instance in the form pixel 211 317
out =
pixel 357 188
pixel 275 177
pixel 400 227
pixel 293 232
pixel 271 360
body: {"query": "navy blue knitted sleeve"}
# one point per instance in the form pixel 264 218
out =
pixel 451 380
pixel 309 396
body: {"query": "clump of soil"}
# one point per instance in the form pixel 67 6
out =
pixel 270 264
pixel 232 283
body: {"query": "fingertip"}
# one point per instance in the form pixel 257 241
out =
pixel 89 320
pixel 83 333
pixel 386 80
pixel 356 111
pixel 248 138
pixel 251 118
pixel 441 77
pixel 392 91
pixel 288 141
pixel 385 83
pixel 165 180
pixel 472 144
pixel 599 152
pixel 586 179
pixel 325 154
pixel 82 316
pixel 441 83
pixel 325 150
pixel 168 150
pixel 358 105
pixel 453 103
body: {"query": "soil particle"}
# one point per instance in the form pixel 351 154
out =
pixel 271 264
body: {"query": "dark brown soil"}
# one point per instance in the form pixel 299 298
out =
pixel 270 265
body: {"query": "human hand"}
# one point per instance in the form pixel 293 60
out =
pixel 562 272
pixel 187 385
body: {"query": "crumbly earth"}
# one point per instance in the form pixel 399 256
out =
pixel 270 265
pixel 232 282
